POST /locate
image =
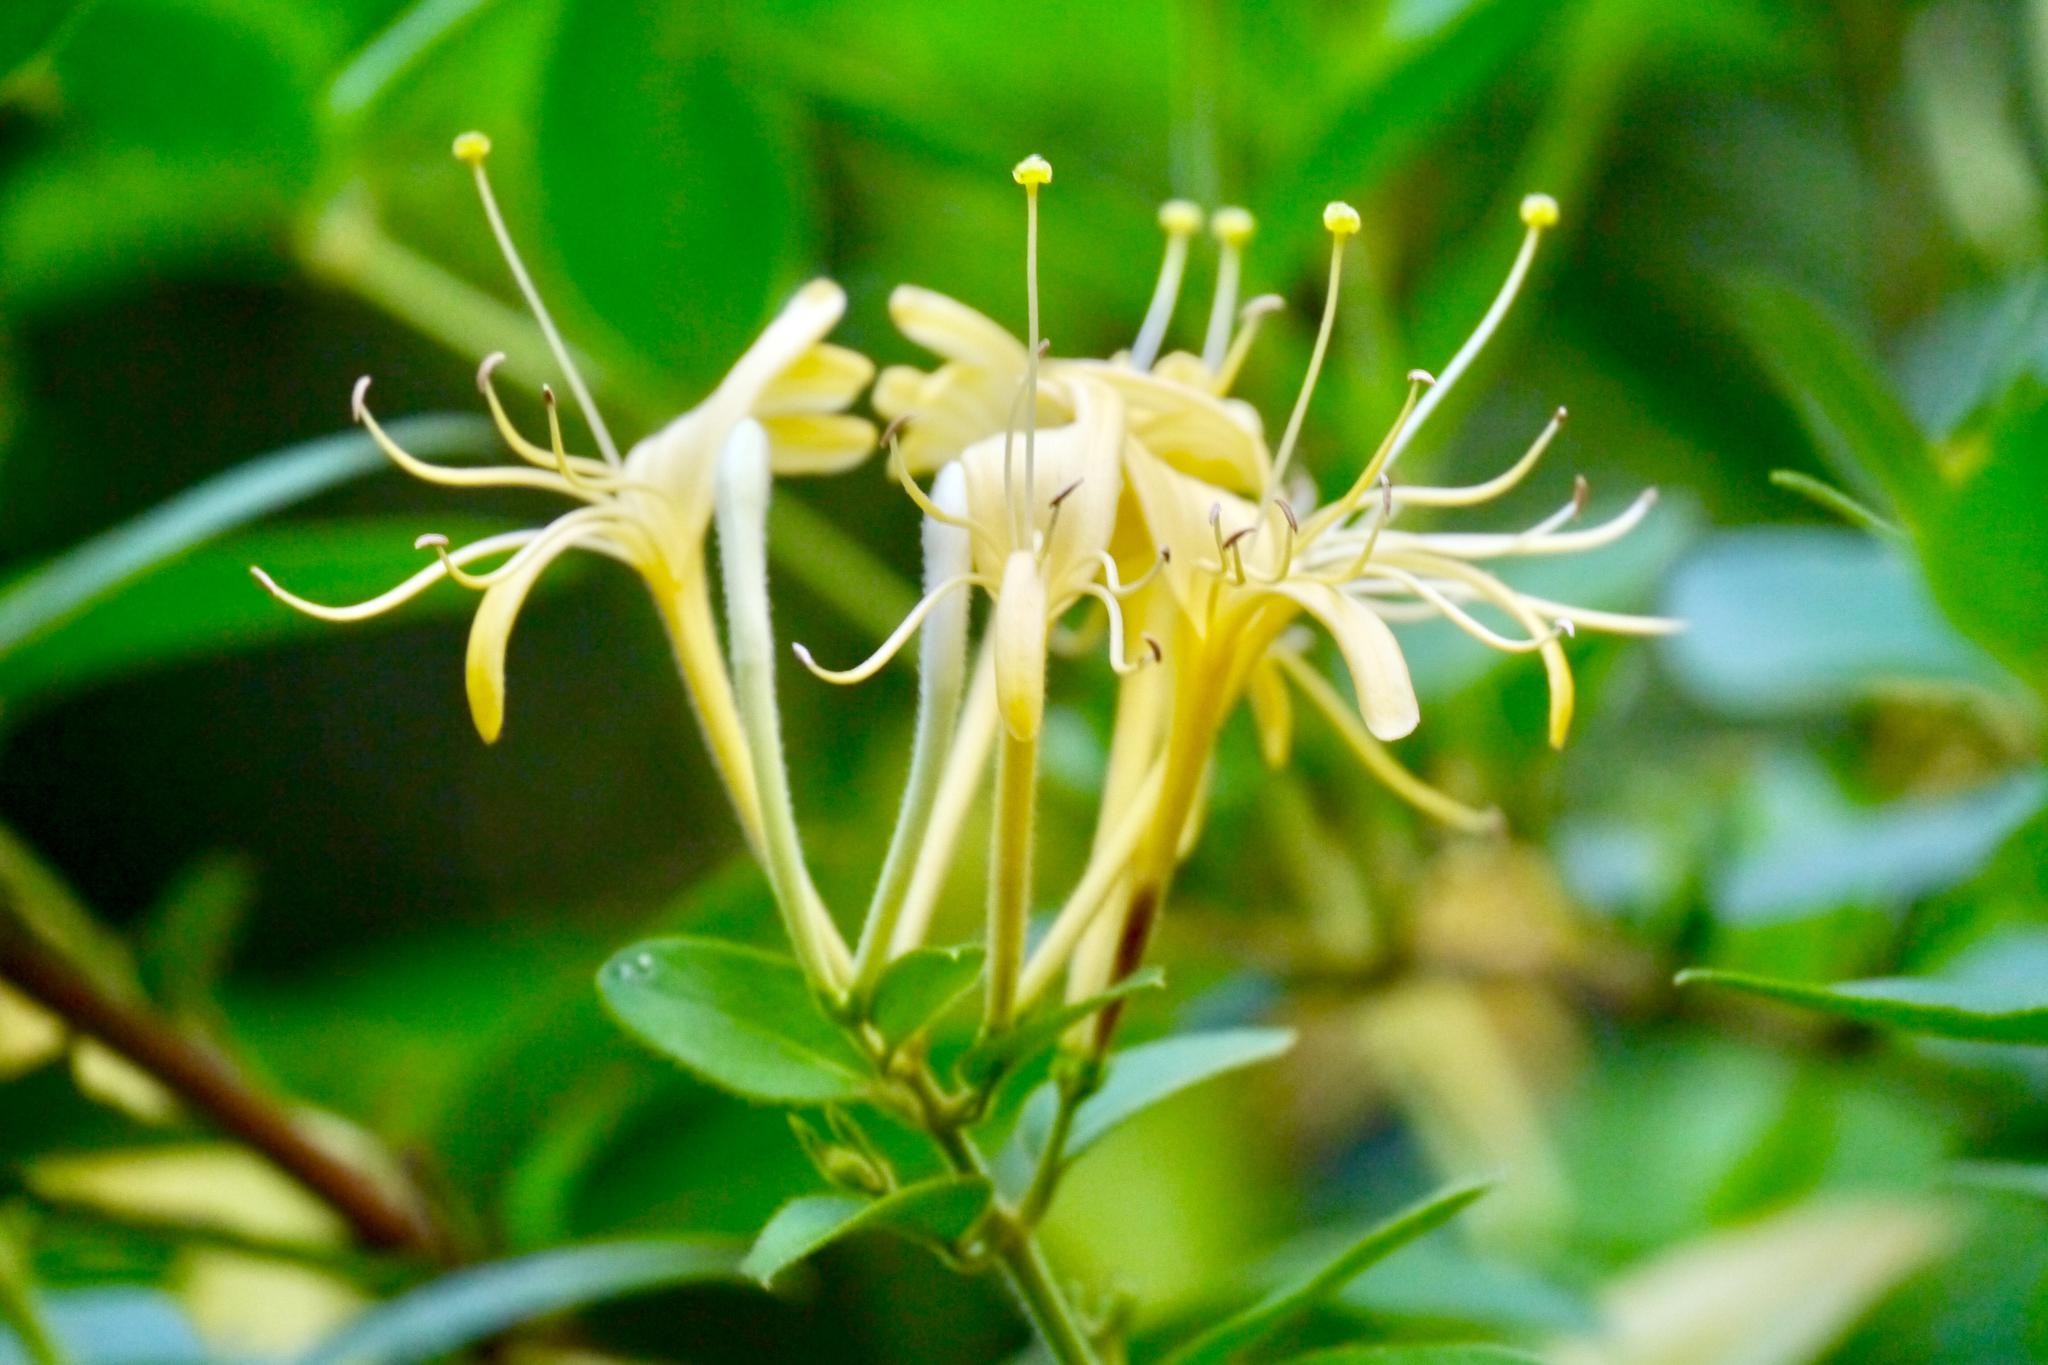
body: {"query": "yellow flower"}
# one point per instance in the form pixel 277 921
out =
pixel 648 509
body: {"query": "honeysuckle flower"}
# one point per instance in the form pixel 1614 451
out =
pixel 1040 510
pixel 648 509
pixel 1177 405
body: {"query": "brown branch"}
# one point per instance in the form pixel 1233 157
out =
pixel 212 1085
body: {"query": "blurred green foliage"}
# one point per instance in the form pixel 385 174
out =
pixel 1803 235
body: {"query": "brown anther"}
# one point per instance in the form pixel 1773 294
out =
pixel 1166 554
pixel 1158 650
pixel 1293 523
pixel 1561 415
pixel 1230 541
pixel 895 428
pixel 547 394
pixel 1581 491
pixel 1065 493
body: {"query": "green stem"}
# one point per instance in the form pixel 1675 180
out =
pixel 1015 1245
pixel 1045 1179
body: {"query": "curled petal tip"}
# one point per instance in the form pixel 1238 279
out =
pixel 484 369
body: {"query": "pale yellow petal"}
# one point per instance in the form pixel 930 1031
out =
pixel 1189 428
pixel 1379 672
pixel 1020 627
pixel 949 328
pixel 824 379
pixel 806 444
pixel 1272 712
pixel 491 633
pixel 896 390
pixel 803 322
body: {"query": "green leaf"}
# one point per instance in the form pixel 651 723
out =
pixel 1289 1302
pixel 1416 1355
pixel 65 586
pixel 1985 545
pixel 992 1057
pixel 740 1018
pixel 1143 1077
pixel 405 43
pixel 942 1210
pixel 204 603
pixel 676 203
pixel 1817 851
pixel 1789 620
pixel 2008 1177
pixel 1996 992
pixel 1840 392
pixel 29 28
pixel 469 1305
pixel 919 986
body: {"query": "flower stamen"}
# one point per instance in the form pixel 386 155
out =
pixel 473 149
pixel 1342 221
pixel 1233 228
pixel 1180 220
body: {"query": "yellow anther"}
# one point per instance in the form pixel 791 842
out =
pixel 472 148
pixel 1033 170
pixel 1539 211
pixel 1180 217
pixel 1341 219
pixel 1233 226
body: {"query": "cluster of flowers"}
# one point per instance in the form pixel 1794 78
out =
pixel 1136 482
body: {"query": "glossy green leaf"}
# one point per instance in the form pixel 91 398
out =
pixel 942 1210
pixel 1817 851
pixel 1417 1355
pixel 1144 1076
pixel 54 592
pixel 1997 992
pixel 1785 620
pixel 919 986
pixel 1840 392
pixel 676 203
pixel 469 1305
pixel 204 602
pixel 740 1018
pixel 1985 545
pixel 405 43
pixel 993 1056
pixel 1288 1303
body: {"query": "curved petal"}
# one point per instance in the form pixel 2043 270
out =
pixel 1379 672
pixel 817 443
pixel 1189 428
pixel 801 325
pixel 949 328
pixel 825 378
pixel 491 632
